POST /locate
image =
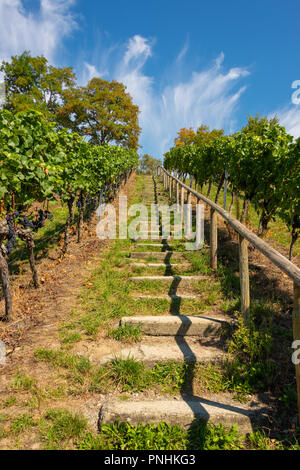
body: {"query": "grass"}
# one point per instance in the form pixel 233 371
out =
pixel 122 374
pixel 127 333
pixel 62 359
pixel 129 375
pixel 162 436
pixel 21 423
pixel 22 382
pixel 59 429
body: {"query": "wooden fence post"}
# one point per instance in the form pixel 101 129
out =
pixel 182 203
pixel 213 238
pixel 244 278
pixel 188 215
pixel 296 335
pixel 199 225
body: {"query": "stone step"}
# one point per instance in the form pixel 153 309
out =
pixel 180 279
pixel 158 245
pixel 169 297
pixel 183 411
pixel 156 265
pixel 157 254
pixel 175 325
pixel 168 348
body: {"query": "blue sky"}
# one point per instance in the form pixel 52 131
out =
pixel 184 63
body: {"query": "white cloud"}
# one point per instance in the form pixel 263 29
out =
pixel 209 96
pixel 289 117
pixel 41 33
pixel 90 71
pixel 138 50
pixel 183 52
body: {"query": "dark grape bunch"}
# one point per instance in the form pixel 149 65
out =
pixel 40 221
pixel 11 239
pixel 90 201
pixel 26 223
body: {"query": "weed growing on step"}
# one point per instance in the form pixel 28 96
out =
pixel 126 333
pixel 124 436
pixel 249 343
pixel 163 436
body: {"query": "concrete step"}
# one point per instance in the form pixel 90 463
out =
pixel 168 348
pixel 184 411
pixel 180 279
pixel 156 265
pixel 157 245
pixel 170 297
pixel 175 325
pixel 157 254
pixel 159 237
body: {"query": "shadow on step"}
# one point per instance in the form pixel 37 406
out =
pixel 186 392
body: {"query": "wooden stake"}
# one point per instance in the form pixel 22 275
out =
pixel 296 335
pixel 213 239
pixel 244 278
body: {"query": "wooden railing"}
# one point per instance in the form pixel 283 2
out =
pixel 173 185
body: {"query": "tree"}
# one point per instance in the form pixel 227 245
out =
pixel 202 135
pixel 147 164
pixel 185 137
pixel 103 111
pixel 257 125
pixel 32 84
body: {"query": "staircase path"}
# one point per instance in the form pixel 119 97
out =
pixel 173 336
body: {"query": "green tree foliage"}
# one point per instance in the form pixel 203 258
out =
pixel 202 135
pixel 103 111
pixel 32 84
pixel 148 164
pixel 38 163
pixel 257 125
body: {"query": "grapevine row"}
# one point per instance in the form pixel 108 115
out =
pixel 39 163
pixel 263 169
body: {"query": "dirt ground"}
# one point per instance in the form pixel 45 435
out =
pixel 38 313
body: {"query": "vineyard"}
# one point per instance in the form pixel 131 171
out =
pixel 39 164
pixel 261 167
pixel 135 344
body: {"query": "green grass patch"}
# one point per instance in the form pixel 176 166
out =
pixel 60 427
pixel 126 333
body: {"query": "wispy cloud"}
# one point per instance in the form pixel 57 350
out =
pixel 209 96
pixel 289 117
pixel 183 51
pixel 90 71
pixel 40 32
